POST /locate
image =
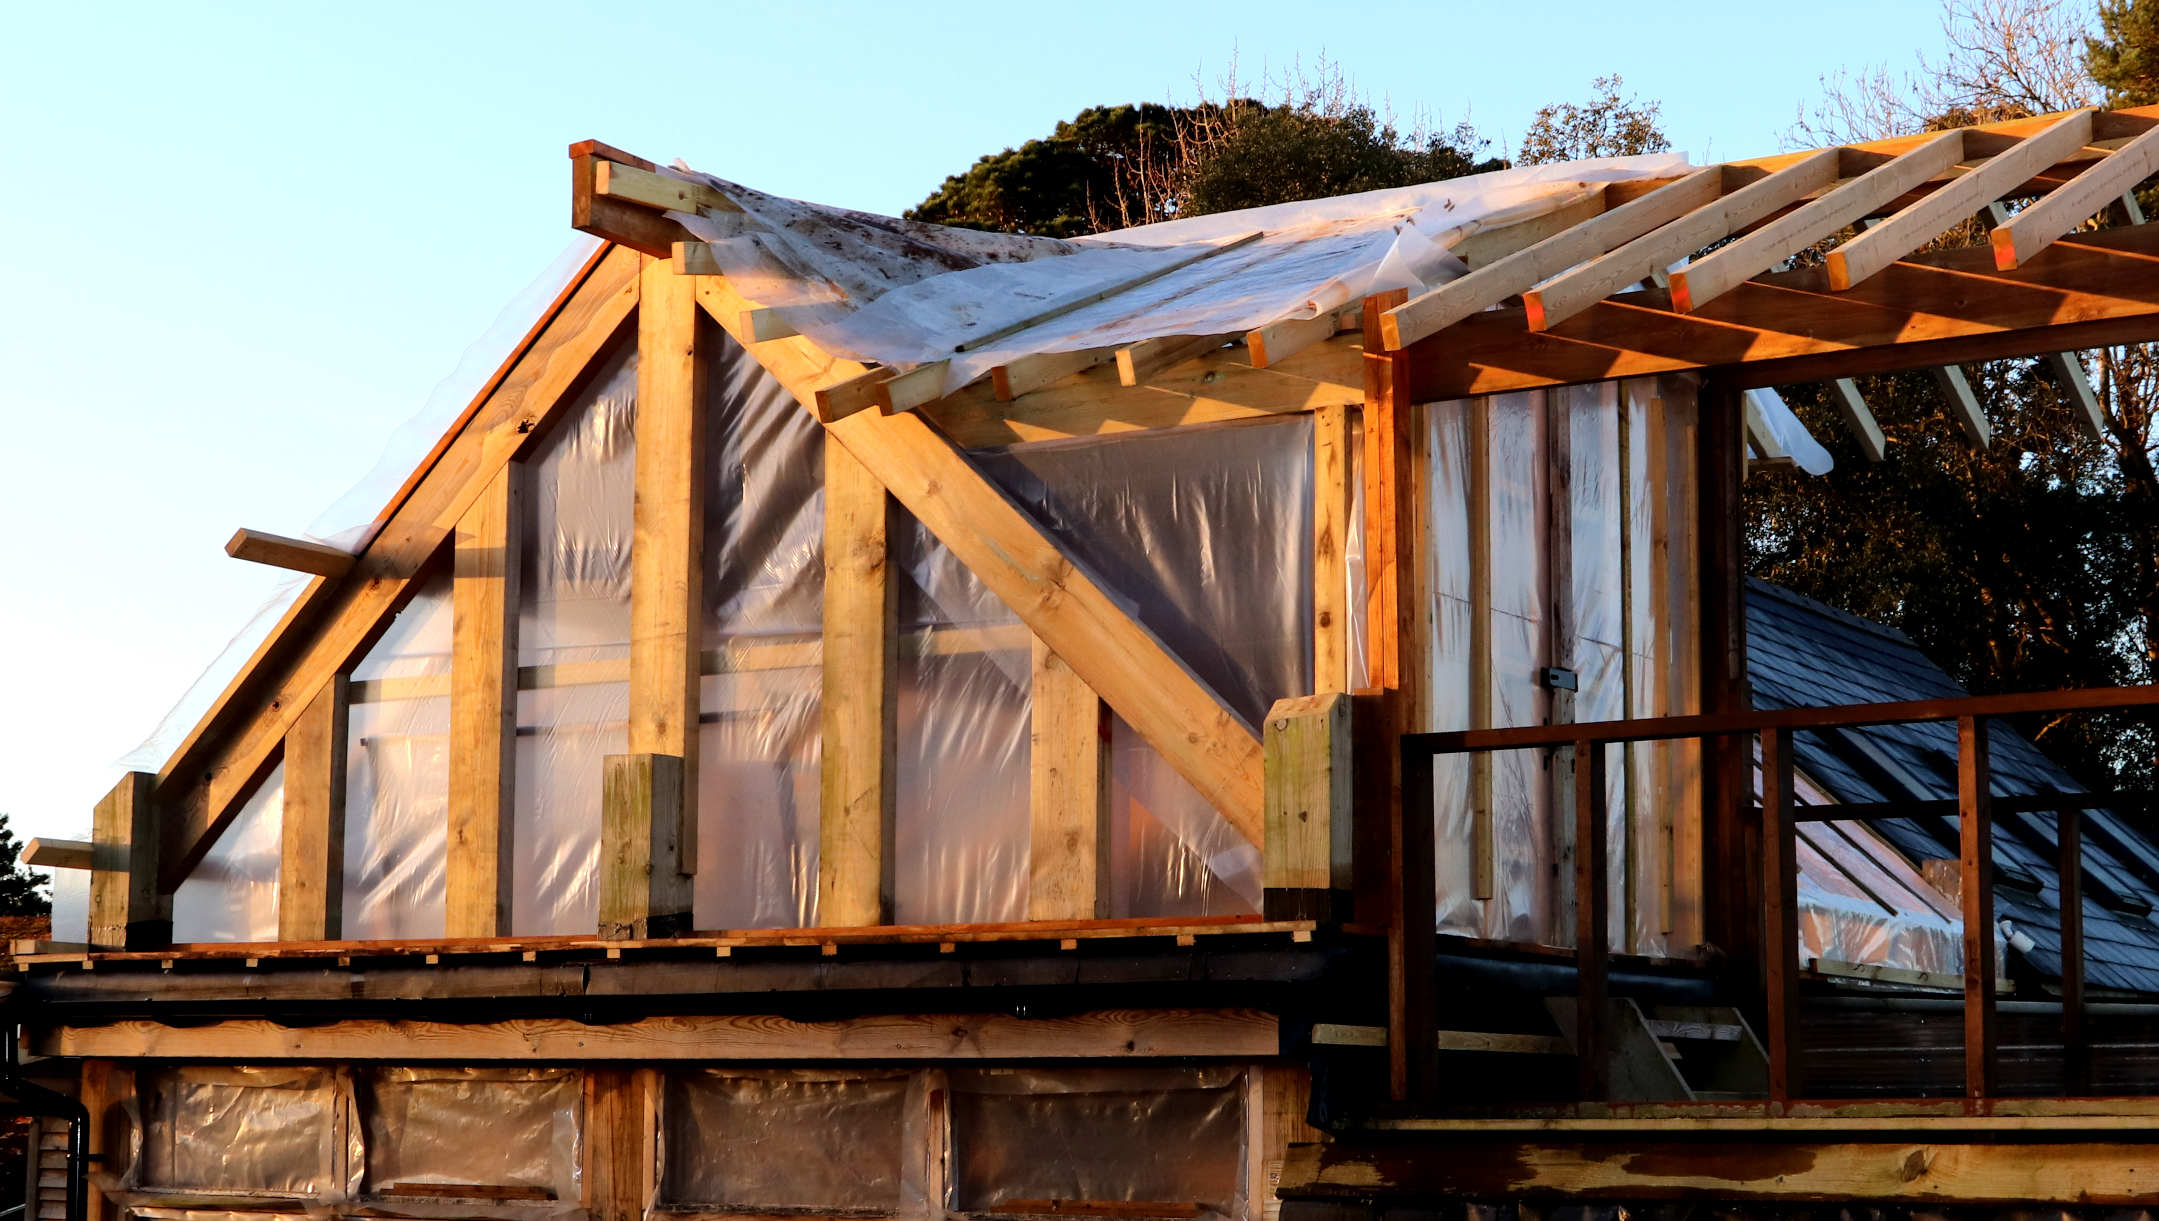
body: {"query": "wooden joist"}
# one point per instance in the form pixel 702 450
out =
pixel 1914 226
pixel 1742 205
pixel 2068 370
pixel 1442 307
pixel 648 188
pixel 2087 291
pixel 2083 197
pixel 1278 341
pixel 1139 362
pixel 292 554
pixel 1858 418
pixel 1721 270
pixel 1031 373
pixel 1963 403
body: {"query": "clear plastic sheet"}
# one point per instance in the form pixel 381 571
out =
pixel 397 775
pixel 1644 785
pixel 240 1130
pixel 1206 533
pixel 762 696
pixel 785 1140
pixel 1862 903
pixel 573 620
pixel 350 520
pixel 231 894
pixel 962 830
pixel 490 1127
pixel 1166 1136
pixel 872 288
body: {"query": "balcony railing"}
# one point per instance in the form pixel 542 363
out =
pixel 1777 816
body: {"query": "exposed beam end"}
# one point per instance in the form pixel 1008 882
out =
pixel 293 554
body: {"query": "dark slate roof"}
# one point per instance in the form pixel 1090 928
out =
pixel 1801 652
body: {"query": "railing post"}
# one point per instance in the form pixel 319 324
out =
pixel 1780 913
pixel 2076 1058
pixel 1413 1018
pixel 1592 923
pixel 1976 853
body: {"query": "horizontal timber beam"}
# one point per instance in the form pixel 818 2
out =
pixel 57 853
pixel 2090 290
pixel 1887 1170
pixel 1111 1034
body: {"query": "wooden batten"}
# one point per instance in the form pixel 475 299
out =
pixel 667 554
pixel 1331 507
pixel 1311 781
pixel 291 554
pixel 644 891
pixel 127 910
pixel 1068 795
pixel 858 777
pixel 311 858
pixel 483 708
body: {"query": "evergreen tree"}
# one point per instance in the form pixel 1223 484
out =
pixel 21 891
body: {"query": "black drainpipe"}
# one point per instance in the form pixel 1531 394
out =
pixel 33 1099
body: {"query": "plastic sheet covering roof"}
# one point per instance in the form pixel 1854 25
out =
pixel 1801 652
pixel 897 292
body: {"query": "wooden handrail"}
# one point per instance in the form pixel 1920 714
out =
pixel 1850 716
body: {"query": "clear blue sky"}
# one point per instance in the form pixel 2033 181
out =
pixel 242 242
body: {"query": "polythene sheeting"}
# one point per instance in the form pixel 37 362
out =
pixel 231 894
pixel 872 288
pixel 1164 1136
pixel 489 1127
pixel 1204 534
pixel 1861 902
pixel 1518 431
pixel 397 776
pixel 784 1140
pixel 573 618
pixel 762 696
pixel 209 1128
pixel 966 688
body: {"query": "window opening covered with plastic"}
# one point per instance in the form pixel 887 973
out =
pixel 1206 533
pixel 796 1140
pixel 231 894
pixel 397 774
pixel 573 648
pixel 761 696
pixel 241 1130
pixel 1158 1143
pixel 513 1132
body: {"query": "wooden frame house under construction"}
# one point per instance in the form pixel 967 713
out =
pixel 1210 723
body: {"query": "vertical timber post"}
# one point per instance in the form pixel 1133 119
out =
pixel 483 709
pixel 1593 924
pixel 1731 881
pixel 311 857
pixel 1310 789
pixel 1068 795
pixel 1331 638
pixel 1780 915
pixel 666 618
pixel 1975 833
pixel 858 778
pixel 1394 532
pixel 127 911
